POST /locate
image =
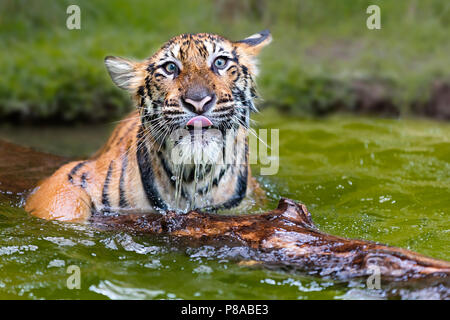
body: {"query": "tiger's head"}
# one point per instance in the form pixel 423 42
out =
pixel 201 80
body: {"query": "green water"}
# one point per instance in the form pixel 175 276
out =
pixel 375 179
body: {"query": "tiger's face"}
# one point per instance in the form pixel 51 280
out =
pixel 194 81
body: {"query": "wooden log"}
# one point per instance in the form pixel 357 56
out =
pixel 21 168
pixel 285 237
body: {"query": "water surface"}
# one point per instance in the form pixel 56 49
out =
pixel 375 179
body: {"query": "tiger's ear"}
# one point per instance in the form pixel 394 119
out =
pixel 255 42
pixel 122 71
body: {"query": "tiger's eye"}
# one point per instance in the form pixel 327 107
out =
pixel 171 67
pixel 220 63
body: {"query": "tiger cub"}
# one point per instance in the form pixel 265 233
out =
pixel 184 147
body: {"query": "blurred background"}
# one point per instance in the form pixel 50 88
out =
pixel 323 59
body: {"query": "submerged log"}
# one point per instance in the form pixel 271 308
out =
pixel 21 168
pixel 284 237
pixel 287 237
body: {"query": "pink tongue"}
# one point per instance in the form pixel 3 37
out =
pixel 199 121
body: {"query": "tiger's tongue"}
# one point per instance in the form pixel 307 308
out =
pixel 199 121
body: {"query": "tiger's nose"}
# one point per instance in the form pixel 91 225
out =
pixel 198 102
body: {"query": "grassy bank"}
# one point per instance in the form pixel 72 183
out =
pixel 323 57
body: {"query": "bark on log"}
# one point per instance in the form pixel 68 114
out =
pixel 287 237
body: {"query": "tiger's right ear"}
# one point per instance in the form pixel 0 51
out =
pixel 122 71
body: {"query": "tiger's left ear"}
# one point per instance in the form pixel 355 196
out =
pixel 255 42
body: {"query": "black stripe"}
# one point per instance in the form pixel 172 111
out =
pixel 241 186
pixel 148 117
pixel 123 203
pixel 105 196
pixel 166 168
pixel 169 173
pixel 221 174
pixel 244 70
pixel 83 180
pixel 141 91
pixel 240 191
pixel 150 67
pixel 147 177
pixel 93 209
pixel 75 170
pixel 147 86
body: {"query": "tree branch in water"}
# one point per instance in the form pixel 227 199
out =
pixel 286 237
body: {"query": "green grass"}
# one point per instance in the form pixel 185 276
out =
pixel 319 50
